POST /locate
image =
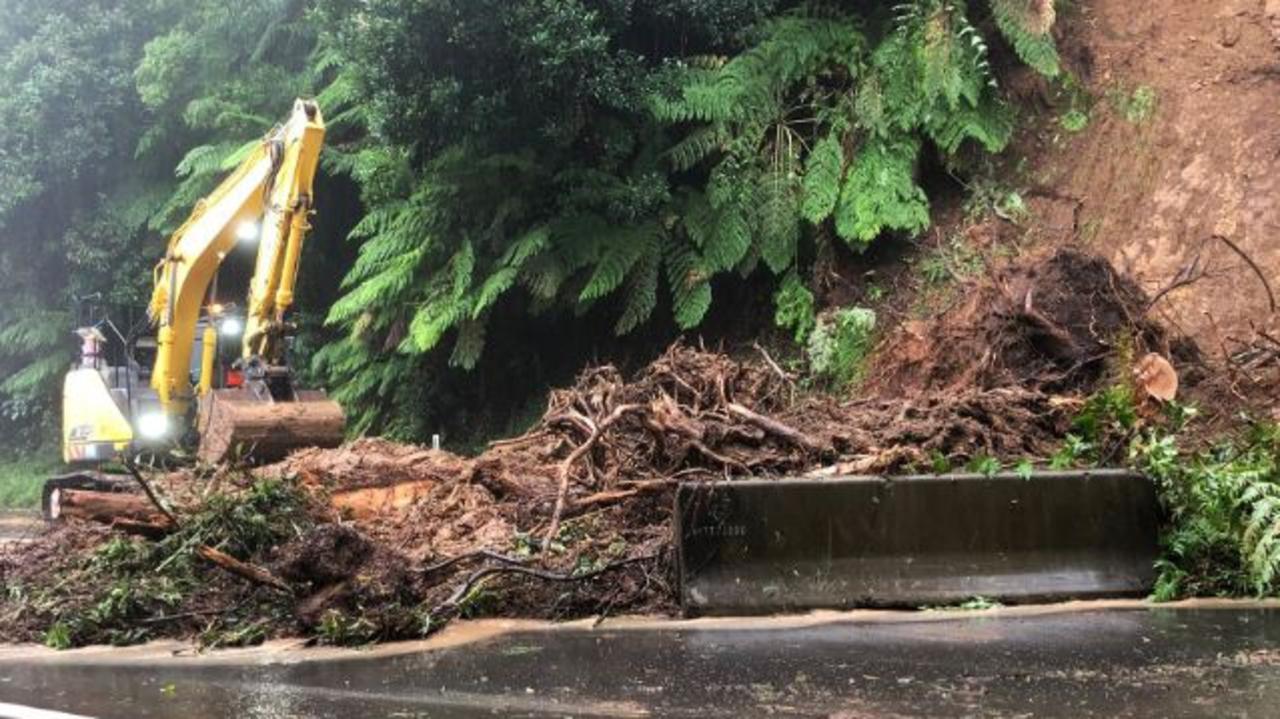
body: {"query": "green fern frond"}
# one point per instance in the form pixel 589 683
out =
pixel 1028 33
pixel 38 376
pixel 689 281
pixel 462 269
pixel 880 193
pixel 990 125
pixel 621 253
pixel 823 174
pixel 779 220
pixel 34 331
pixel 642 288
pixel 697 146
pixel 543 276
pixel 730 242
pixel 432 320
pixel 387 287
pixel 205 159
pixel 495 285
pixel 794 307
pixel 469 345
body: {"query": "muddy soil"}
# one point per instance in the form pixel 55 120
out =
pixel 1176 176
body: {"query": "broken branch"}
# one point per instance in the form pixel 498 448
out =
pixel 244 570
pixel 1271 297
pixel 566 467
pixel 151 495
pixel 775 427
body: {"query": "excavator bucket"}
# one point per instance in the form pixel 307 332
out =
pixel 760 546
pixel 235 424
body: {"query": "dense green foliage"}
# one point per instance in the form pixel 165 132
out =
pixel 572 159
pixel 1222 537
pixel 586 162
pixel 840 343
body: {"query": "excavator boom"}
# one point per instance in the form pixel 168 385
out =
pixel 271 196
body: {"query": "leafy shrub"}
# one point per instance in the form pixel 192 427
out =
pixel 1136 107
pixel 128 580
pixel 840 343
pixel 1074 121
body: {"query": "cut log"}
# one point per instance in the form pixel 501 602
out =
pixel 233 425
pixel 370 502
pixel 131 512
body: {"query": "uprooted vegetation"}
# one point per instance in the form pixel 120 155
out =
pixel 377 540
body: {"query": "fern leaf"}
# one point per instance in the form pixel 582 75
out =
pixel 37 376
pixel 880 193
pixel 731 241
pixel 431 321
pixel 494 287
pixel 779 221
pixel 205 159
pixel 823 173
pixel 642 289
pixel 462 269
pixel 990 125
pixel 620 255
pixel 469 345
pixel 1026 26
pixel 690 285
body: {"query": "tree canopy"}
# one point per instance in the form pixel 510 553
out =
pixel 619 161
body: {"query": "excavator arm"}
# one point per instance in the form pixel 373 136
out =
pixel 270 192
pixel 269 195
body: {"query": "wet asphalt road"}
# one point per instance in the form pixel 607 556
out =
pixel 16 526
pixel 1113 663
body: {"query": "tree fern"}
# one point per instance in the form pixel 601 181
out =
pixel 741 161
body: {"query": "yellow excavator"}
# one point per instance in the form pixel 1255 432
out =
pixel 113 407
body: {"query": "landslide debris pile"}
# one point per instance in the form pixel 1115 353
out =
pixel 377 540
pixel 1049 325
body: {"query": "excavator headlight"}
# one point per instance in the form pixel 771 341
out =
pixel 248 231
pixel 153 425
pixel 231 327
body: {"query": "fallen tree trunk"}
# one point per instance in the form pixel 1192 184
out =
pixel 232 424
pixel 131 512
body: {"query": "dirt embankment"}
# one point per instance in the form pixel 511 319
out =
pixel 1182 150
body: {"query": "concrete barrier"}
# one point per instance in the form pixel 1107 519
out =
pixel 760 546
